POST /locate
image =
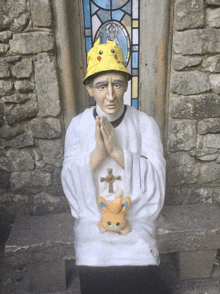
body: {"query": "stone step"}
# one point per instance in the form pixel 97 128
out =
pixel 191 232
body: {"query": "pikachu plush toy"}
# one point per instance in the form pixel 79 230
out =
pixel 114 219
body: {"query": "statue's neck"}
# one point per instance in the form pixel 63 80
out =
pixel 110 117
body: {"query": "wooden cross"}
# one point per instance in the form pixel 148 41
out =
pixel 110 179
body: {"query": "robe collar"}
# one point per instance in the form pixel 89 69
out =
pixel 117 121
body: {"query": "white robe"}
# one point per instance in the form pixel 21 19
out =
pixel 142 179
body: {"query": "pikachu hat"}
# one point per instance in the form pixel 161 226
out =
pixel 105 57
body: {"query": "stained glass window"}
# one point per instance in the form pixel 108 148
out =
pixel 118 21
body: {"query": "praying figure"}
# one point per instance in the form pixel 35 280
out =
pixel 108 147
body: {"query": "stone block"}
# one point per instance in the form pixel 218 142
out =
pixel 52 151
pixel 214 80
pixel 45 203
pixel 182 169
pixel 16 7
pixel 5 36
pixel 208 125
pixel 41 13
pixel 23 179
pixel 20 141
pixel 189 14
pixel 18 112
pixel 47 277
pixel 213 2
pixel 196 264
pixel 15 98
pixel 22 69
pixel 182 62
pixel 40 239
pixel 211 64
pixel 182 135
pixel 47 86
pixel 20 23
pixel 30 43
pixel 9 132
pixel 3 48
pixel 5 87
pixel 188 195
pixel 5 21
pixel 209 172
pixel 200 41
pixel 213 17
pixel 195 107
pixel 188 83
pixel 47 128
pixel 19 160
pixel 12 59
pixel 210 157
pixel 211 141
pixel 24 86
pixel 4 69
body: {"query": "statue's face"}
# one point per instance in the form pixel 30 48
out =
pixel 108 91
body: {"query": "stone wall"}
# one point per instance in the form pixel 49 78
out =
pixel 194 104
pixel 31 132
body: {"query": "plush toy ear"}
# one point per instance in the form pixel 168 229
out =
pixel 103 204
pixel 126 204
pixel 97 42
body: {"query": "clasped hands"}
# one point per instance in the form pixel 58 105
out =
pixel 106 143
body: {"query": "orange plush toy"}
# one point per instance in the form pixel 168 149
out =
pixel 114 219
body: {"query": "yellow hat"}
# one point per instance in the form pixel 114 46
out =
pixel 105 57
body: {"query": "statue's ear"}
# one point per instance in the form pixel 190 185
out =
pixel 97 42
pixel 103 204
pixel 111 42
pixel 126 204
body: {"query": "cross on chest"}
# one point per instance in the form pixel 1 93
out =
pixel 110 178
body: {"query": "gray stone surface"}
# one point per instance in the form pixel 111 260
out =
pixel 182 62
pixel 213 2
pixel 209 125
pixel 13 58
pixel 200 41
pixel 5 36
pixel 188 83
pixel 4 180
pixel 182 135
pixel 23 68
pixel 188 195
pixel 24 179
pixel 16 7
pixel 4 69
pixel 189 14
pixel 214 80
pixel 41 239
pixel 15 98
pixel 211 141
pixel 8 132
pixel 47 86
pixel 3 48
pixel 18 112
pixel 211 64
pixel 182 169
pixel 24 86
pixel 4 19
pixel 41 13
pixel 209 172
pixel 19 160
pixel 213 17
pixel 210 157
pixel 30 43
pixel 1 115
pixel 52 151
pixel 20 141
pixel 20 23
pixel 195 107
pixel 45 203
pixel 47 128
pixel 5 87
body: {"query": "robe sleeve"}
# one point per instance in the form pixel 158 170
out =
pixel 76 167
pixel 145 172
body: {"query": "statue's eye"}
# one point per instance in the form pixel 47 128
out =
pixel 100 52
pixel 117 224
pixel 113 51
pixel 109 223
